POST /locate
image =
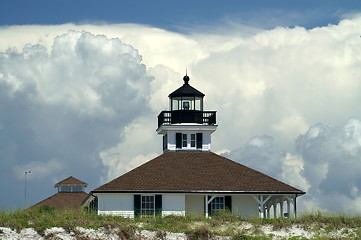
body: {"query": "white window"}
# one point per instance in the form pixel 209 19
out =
pixel 217 204
pixel 65 188
pixel 147 206
pixel 193 140
pixel 77 189
pixel 184 140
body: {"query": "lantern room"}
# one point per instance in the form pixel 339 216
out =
pixel 186 106
pixel 186 98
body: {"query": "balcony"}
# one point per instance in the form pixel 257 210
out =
pixel 187 116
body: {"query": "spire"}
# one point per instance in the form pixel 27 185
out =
pixel 186 78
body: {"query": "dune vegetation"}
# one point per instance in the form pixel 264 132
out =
pixel 316 225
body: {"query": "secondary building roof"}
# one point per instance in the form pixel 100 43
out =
pixel 195 172
pixel 71 181
pixel 70 194
pixel 63 200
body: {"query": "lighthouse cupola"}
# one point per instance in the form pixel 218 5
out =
pixel 186 126
pixel 186 98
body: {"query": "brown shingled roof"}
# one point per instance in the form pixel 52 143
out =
pixel 64 200
pixel 195 171
pixel 71 180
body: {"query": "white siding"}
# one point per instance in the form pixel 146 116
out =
pixel 206 145
pixel 173 204
pixel 121 204
pixel 244 206
pixel 116 204
pixel 171 141
pixel 195 205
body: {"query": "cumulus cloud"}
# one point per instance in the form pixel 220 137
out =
pixel 262 154
pixel 332 156
pixel 69 104
pixel 259 153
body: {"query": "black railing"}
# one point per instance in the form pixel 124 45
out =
pixel 187 116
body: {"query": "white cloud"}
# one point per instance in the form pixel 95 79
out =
pixel 39 170
pixel 138 145
pixel 331 156
pixel 68 104
pixel 259 153
pixel 292 172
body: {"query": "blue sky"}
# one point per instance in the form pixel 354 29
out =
pixel 287 105
pixel 175 15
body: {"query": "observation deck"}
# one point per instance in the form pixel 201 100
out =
pixel 187 116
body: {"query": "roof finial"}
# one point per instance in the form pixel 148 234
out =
pixel 186 78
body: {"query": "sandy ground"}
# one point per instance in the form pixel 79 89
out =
pixel 82 233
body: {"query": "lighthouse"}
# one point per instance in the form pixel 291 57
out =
pixel 188 178
pixel 186 126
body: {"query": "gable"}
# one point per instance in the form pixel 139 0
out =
pixel 70 181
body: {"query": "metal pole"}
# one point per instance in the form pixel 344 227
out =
pixel 26 173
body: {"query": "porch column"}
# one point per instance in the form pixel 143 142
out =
pixel 261 202
pixel 282 201
pixel 206 205
pixel 288 207
pixel 275 208
pixel 268 211
pixel 206 201
pixel 295 206
pixel 292 200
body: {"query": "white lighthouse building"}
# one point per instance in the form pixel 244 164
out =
pixel 188 178
pixel 186 126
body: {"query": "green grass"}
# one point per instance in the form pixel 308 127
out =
pixel 223 224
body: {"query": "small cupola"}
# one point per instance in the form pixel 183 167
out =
pixel 71 184
pixel 186 98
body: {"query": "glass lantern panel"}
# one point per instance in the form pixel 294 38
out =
pixel 198 104
pixel 175 104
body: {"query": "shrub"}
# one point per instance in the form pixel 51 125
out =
pixel 200 233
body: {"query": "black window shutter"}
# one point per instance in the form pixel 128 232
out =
pixel 158 205
pixel 178 140
pixel 199 140
pixel 228 203
pixel 137 203
pixel 209 206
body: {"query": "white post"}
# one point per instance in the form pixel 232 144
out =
pixel 295 206
pixel 207 202
pixel 275 208
pixel 206 205
pixel 288 207
pixel 262 206
pixel 268 211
